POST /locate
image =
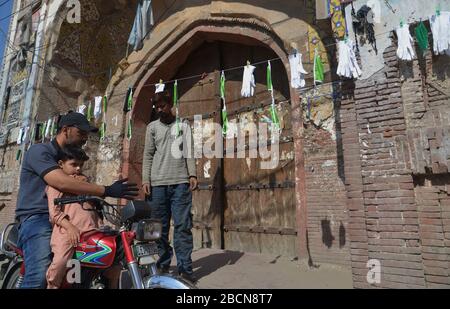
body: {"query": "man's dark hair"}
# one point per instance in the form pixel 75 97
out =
pixel 162 97
pixel 72 153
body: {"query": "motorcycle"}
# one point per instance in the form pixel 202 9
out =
pixel 132 247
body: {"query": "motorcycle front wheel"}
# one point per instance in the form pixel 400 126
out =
pixel 13 279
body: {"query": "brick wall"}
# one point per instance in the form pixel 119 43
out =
pixel 390 212
pixel 326 199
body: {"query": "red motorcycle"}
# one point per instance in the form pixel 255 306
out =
pixel 132 247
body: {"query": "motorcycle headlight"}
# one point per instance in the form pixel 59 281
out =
pixel 147 230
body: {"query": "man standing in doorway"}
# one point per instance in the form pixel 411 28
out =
pixel 168 181
pixel 39 169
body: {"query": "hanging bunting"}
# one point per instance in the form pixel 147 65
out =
pixel 81 109
pixel 440 28
pixel 89 114
pixel 248 81
pixel 348 65
pixel 102 131
pixel 224 108
pixel 318 68
pixel 18 154
pixel 98 107
pixel 422 36
pixel 337 19
pixel 105 105
pixel 43 129
pixel 175 104
pixel 273 111
pixel 159 87
pixel 405 49
pixel 48 127
pixel 297 70
pixel 129 101
pixel 129 128
pixel 19 136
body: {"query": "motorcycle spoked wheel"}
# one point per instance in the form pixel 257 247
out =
pixel 11 278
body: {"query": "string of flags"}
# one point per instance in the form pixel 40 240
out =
pixel 224 105
pixel 348 67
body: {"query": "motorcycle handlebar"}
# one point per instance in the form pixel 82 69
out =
pixel 76 199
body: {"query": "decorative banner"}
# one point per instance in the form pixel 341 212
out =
pixel 20 136
pixel 159 87
pixel 48 127
pixel 318 68
pixel 81 109
pixel 43 129
pixel 273 111
pixel 248 81
pixel 102 131
pixel 224 109
pixel 422 36
pixel 89 115
pixel 98 107
pixel 105 104
pixel 130 128
pixel 128 106
pixel 175 104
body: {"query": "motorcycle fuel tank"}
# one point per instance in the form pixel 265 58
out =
pixel 96 250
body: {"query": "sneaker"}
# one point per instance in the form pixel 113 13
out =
pixel 188 277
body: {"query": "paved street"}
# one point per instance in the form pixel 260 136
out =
pixel 217 269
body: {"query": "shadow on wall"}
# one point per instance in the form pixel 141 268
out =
pixel 327 236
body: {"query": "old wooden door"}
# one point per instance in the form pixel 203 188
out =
pixel 239 205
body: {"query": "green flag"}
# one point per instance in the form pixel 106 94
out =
pixel 105 104
pixel 130 128
pixel 175 94
pixel 318 68
pixel 273 111
pixel 422 36
pixel 89 115
pixel 269 77
pixel 102 131
pixel 222 85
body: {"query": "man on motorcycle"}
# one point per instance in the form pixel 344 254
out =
pixel 39 169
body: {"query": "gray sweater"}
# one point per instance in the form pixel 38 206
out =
pixel 160 166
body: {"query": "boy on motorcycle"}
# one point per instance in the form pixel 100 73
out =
pixel 68 221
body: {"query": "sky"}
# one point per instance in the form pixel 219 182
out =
pixel 5 10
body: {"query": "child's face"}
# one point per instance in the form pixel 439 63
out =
pixel 71 167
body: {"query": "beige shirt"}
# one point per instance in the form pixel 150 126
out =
pixel 160 166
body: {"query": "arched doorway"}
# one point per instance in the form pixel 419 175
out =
pixel 239 206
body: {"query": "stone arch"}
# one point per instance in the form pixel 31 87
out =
pixel 164 65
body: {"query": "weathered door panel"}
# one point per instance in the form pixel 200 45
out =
pixel 239 205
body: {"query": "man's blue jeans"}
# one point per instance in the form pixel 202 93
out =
pixel 174 201
pixel 34 240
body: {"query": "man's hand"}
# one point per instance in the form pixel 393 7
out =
pixel 146 187
pixel 121 189
pixel 73 234
pixel 193 183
